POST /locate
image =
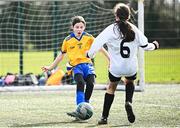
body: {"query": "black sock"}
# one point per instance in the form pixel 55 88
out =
pixel 129 92
pixel 108 100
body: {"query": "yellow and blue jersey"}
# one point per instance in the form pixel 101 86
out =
pixel 76 48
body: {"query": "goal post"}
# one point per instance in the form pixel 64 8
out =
pixel 141 51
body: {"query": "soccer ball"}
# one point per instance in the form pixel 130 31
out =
pixel 84 110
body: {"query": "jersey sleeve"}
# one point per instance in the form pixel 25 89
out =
pixel 149 47
pixel 141 38
pixel 143 41
pixel 99 41
pixel 64 47
pixel 90 41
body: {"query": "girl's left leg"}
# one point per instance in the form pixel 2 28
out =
pixel 89 86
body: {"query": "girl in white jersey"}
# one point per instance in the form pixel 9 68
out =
pixel 122 39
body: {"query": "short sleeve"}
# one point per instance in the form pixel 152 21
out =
pixel 64 47
pixel 100 40
pixel 141 38
pixel 90 42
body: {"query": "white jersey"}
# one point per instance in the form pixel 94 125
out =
pixel 123 56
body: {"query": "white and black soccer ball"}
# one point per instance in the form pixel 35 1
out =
pixel 84 110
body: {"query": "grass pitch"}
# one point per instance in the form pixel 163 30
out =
pixel 157 106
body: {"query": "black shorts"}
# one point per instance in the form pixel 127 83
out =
pixel 115 79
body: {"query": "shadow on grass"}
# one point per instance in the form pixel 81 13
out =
pixel 122 125
pixel 109 125
pixel 47 124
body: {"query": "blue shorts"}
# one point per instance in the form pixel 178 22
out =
pixel 85 69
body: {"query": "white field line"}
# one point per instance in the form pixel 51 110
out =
pixel 44 88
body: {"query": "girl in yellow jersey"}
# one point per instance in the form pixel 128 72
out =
pixel 76 46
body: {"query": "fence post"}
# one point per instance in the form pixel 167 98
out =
pixel 20 36
pixel 54 17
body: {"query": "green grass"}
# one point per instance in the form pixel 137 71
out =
pixel 157 106
pixel 161 66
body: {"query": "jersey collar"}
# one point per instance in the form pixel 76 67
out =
pixel 73 35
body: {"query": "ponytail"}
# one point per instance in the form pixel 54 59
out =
pixel 126 30
pixel 122 14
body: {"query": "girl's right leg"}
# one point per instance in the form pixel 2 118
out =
pixel 80 96
pixel 108 98
pixel 129 91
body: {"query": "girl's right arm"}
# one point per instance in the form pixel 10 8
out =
pixel 54 64
pixel 99 41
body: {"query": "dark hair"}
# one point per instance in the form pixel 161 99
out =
pixel 77 19
pixel 122 12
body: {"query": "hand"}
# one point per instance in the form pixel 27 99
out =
pixel 86 54
pixel 156 43
pixel 45 68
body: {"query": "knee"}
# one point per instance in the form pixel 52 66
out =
pixel 80 82
pixel 90 80
pixel 80 85
pixel 111 88
pixel 129 82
